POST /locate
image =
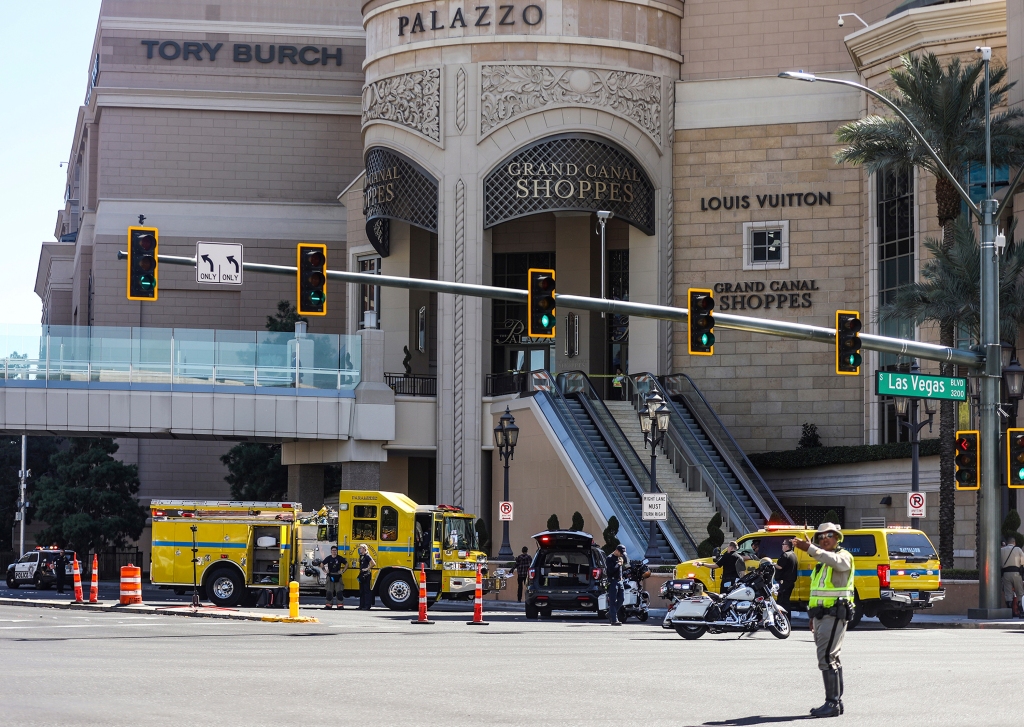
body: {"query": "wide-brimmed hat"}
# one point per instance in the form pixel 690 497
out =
pixel 829 528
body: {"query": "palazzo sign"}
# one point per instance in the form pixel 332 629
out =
pixel 569 172
pixel 396 188
pixel 774 294
pixel 479 16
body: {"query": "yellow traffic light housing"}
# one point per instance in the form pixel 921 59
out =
pixel 848 343
pixel 540 319
pixel 968 473
pixel 311 282
pixel 1015 457
pixel 143 276
pixel 700 324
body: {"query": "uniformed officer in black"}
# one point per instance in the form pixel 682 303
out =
pixel 334 566
pixel 731 564
pixel 60 565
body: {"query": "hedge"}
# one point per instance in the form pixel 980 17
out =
pixel 819 456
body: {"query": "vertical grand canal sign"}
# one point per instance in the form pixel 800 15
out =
pixel 396 188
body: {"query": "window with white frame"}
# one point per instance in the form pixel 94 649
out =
pixel 369 295
pixel 766 245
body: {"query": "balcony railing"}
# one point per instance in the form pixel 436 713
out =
pixel 412 384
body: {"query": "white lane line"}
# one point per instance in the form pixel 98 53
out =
pixel 74 626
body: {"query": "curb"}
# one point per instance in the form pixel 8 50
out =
pixel 157 610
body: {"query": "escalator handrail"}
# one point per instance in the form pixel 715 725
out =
pixel 623 450
pixel 747 474
pixel 736 514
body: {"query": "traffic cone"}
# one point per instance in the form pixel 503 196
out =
pixel 78 579
pixel 94 587
pixel 478 602
pixel 423 598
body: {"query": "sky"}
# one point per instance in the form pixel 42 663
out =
pixel 42 90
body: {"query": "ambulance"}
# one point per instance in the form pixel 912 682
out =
pixel 244 547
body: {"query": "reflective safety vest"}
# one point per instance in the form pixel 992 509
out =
pixel 823 592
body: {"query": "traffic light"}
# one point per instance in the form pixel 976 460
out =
pixel 312 281
pixel 700 323
pixel 967 470
pixel 848 343
pixel 142 263
pixel 1015 457
pixel 540 322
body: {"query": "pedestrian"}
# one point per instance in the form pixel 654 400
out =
pixel 1013 568
pixel 522 571
pixel 613 568
pixel 731 563
pixel 618 383
pixel 785 571
pixel 60 566
pixel 335 566
pixel 366 566
pixel 830 607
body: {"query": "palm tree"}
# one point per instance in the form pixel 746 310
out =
pixel 948 106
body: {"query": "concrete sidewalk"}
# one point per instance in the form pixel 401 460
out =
pixel 204 611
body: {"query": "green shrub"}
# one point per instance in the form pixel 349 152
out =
pixel 610 541
pixel 1011 526
pixel 809 436
pixel 959 574
pixel 715 537
pixel 577 521
pixel 553 522
pixel 819 456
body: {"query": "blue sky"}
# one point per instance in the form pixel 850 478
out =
pixel 47 46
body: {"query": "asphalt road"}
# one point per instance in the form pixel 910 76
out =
pixel 355 668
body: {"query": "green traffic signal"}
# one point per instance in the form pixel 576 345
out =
pixel 853 360
pixel 146 282
pixel 1020 474
pixel 545 321
pixel 707 339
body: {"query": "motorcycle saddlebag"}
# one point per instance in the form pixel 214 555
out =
pixel 692 608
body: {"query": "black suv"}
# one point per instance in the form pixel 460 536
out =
pixel 567 574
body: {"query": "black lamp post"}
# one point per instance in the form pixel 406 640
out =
pixel 506 434
pixel 654 424
pixel 907 408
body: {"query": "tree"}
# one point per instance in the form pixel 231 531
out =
pixel 611 542
pixel 88 499
pixel 948 106
pixel 577 521
pixel 553 523
pixel 39 451
pixel 255 471
pixel 1011 526
pixel 715 537
pixel 284 320
pixel 809 436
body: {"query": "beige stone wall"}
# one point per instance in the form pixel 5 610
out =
pixel 765 388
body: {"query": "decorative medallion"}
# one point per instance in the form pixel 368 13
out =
pixel 411 100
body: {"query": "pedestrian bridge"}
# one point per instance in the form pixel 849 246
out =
pixel 187 384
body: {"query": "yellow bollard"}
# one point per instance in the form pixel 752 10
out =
pixel 293 599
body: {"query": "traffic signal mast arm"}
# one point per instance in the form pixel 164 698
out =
pixel 766 326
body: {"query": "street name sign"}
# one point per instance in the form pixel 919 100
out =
pixel 505 511
pixel 919 386
pixel 915 504
pixel 219 263
pixel 655 506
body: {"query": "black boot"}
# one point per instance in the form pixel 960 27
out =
pixel 831 706
pixel 839 694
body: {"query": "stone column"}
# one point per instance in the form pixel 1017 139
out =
pixel 645 274
pixel 573 263
pixel 394 302
pixel 306 485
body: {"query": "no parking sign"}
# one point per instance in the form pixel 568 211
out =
pixel 505 510
pixel 915 504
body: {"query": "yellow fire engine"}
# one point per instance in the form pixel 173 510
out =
pixel 242 547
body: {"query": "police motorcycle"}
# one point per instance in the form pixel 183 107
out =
pixel 636 601
pixel 748 607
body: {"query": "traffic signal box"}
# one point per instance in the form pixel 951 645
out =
pixel 142 263
pixel 968 475
pixel 700 324
pixel 1015 458
pixel 311 286
pixel 848 344
pixel 540 322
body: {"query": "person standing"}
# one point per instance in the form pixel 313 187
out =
pixel 522 571
pixel 785 571
pixel 335 566
pixel 60 566
pixel 1013 567
pixel 731 564
pixel 613 567
pixel 366 566
pixel 830 607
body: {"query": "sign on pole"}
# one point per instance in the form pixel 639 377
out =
pixel 505 511
pixel 655 506
pixel 219 263
pixel 895 383
pixel 915 504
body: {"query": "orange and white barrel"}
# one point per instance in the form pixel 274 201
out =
pixel 131 584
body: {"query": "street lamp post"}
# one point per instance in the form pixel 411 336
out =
pixel 654 424
pixel 989 597
pixel 506 434
pixel 907 408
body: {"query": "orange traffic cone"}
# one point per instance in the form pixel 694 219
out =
pixel 423 598
pixel 78 579
pixel 478 602
pixel 94 587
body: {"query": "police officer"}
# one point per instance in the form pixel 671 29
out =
pixel 829 608
pixel 731 563
pixel 613 567
pixel 60 565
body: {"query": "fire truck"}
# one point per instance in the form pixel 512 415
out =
pixel 234 549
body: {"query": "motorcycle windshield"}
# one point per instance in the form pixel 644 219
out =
pixel 559 569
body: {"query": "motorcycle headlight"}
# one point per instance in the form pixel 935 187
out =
pixel 664 589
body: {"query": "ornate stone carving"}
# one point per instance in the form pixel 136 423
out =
pixel 458 458
pixel 508 91
pixel 412 100
pixel 460 100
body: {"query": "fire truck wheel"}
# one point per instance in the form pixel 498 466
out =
pixel 398 593
pixel 225 587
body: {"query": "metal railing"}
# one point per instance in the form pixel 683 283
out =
pixel 412 384
pixel 507 382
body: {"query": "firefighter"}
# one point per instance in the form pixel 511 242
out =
pixel 830 607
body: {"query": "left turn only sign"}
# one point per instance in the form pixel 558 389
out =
pixel 219 263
